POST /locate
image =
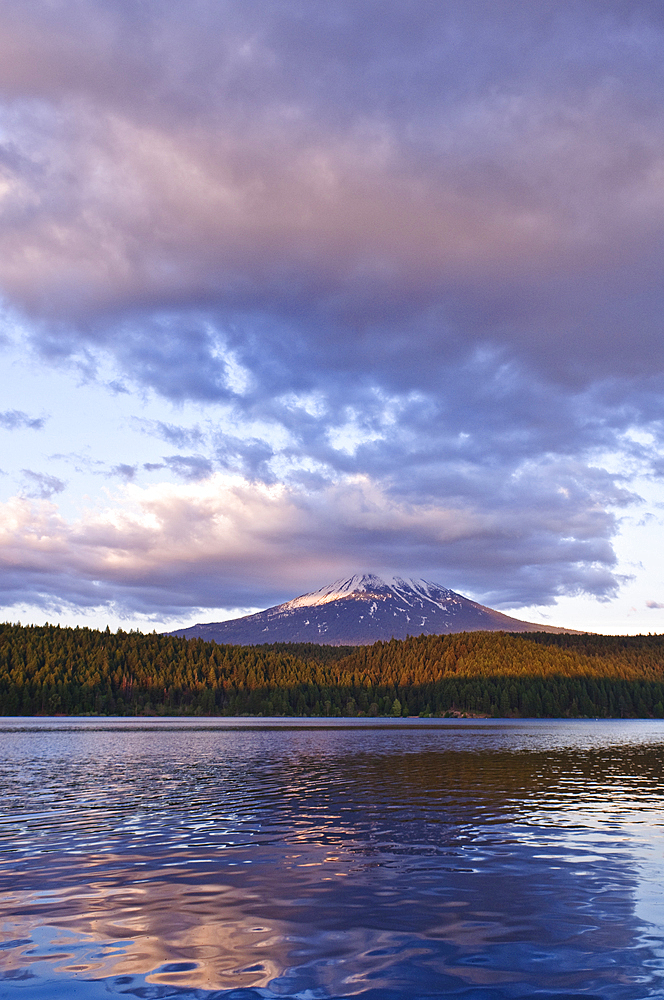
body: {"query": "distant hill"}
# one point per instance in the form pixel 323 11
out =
pixel 362 610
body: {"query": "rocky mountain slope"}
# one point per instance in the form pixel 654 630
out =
pixel 361 610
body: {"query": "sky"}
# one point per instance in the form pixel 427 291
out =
pixel 290 291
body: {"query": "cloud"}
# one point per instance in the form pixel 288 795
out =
pixel 13 419
pixel 124 471
pixel 412 246
pixel 654 604
pixel 189 467
pixel 182 437
pixel 39 485
pixel 225 541
pixel 467 175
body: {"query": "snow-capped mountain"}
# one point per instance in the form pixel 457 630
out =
pixel 361 610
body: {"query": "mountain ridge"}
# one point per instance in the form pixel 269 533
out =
pixel 360 610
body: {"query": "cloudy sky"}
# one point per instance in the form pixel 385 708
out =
pixel 293 290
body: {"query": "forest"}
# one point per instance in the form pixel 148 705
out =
pixel 49 670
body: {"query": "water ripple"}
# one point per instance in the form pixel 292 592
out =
pixel 241 860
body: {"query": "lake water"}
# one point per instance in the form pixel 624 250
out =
pixel 247 859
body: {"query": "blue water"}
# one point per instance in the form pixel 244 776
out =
pixel 388 859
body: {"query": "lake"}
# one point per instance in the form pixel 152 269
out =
pixel 255 858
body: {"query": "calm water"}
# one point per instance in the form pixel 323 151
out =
pixel 254 859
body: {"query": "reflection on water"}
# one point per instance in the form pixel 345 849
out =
pixel 247 859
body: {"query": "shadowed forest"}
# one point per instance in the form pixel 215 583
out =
pixel 52 670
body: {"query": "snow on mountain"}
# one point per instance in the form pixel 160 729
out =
pixel 363 609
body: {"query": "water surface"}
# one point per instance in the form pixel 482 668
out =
pixel 312 859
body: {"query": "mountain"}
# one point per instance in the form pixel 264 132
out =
pixel 360 611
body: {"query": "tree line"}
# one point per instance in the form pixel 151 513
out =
pixel 72 671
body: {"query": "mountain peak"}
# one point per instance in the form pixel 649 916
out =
pixel 363 584
pixel 361 587
pixel 362 609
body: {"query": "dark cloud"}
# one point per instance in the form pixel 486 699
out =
pixel 415 245
pixel 13 419
pixel 466 175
